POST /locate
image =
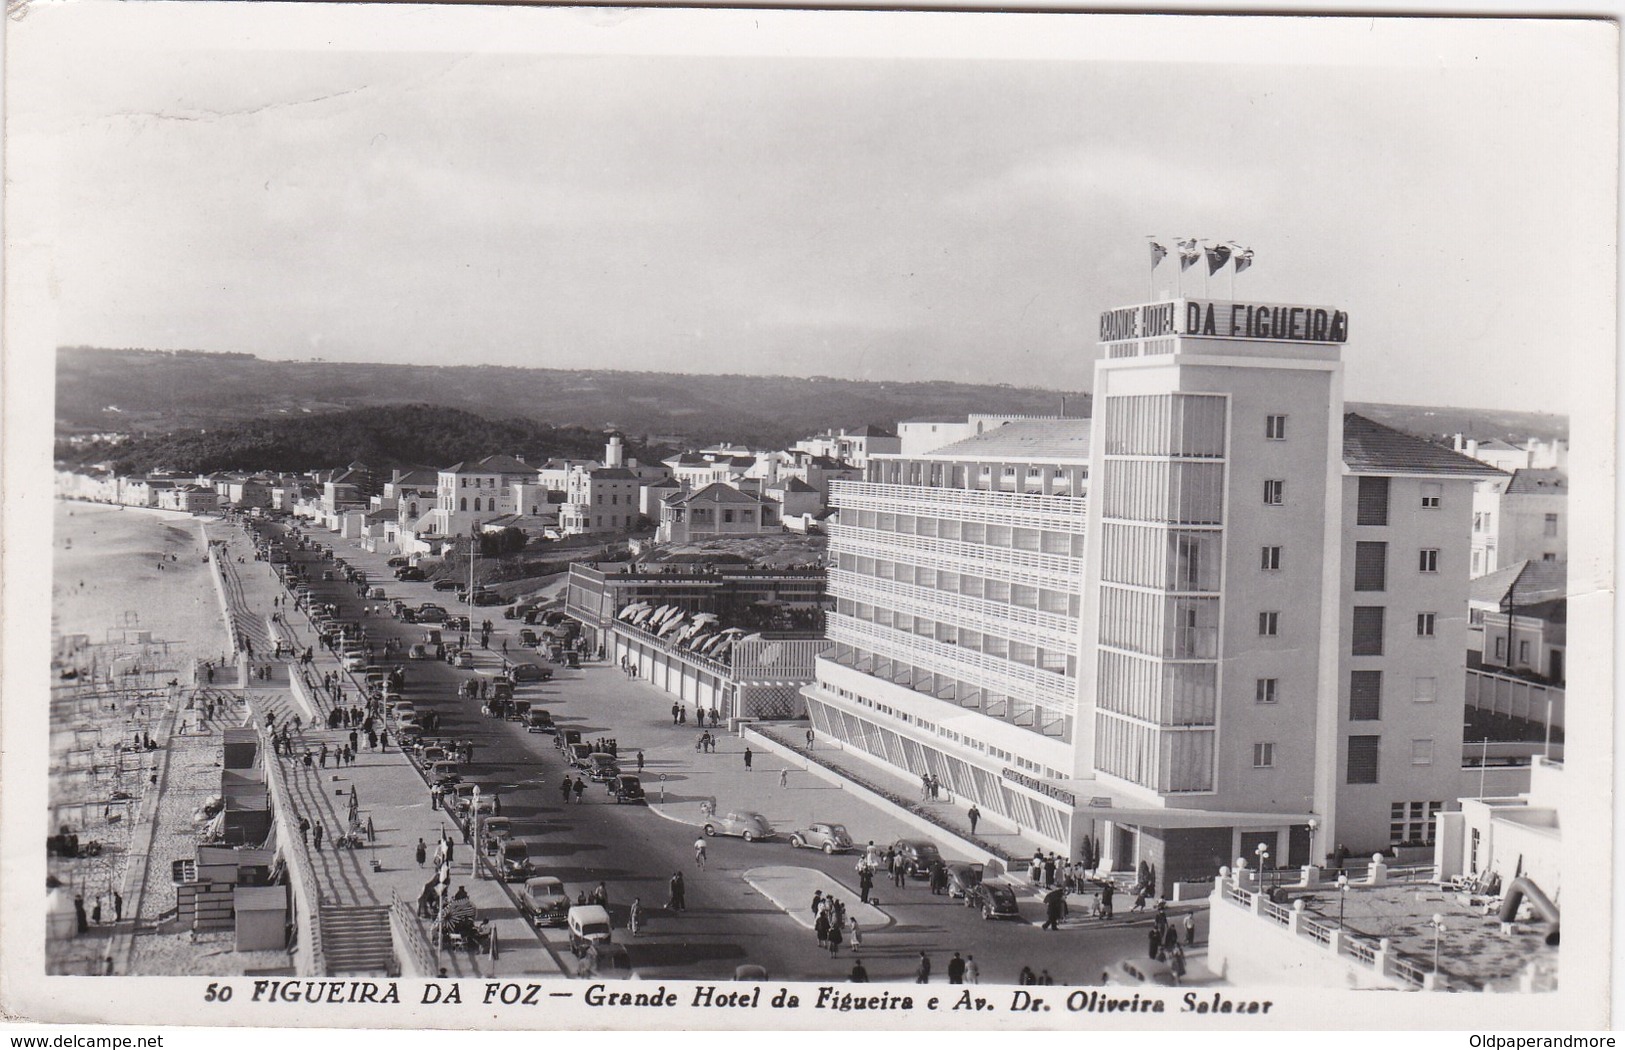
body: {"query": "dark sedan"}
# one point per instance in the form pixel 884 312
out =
pixel 995 900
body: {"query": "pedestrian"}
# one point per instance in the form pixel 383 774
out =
pixel 422 853
pixel 1054 906
pixel 866 883
pixel 304 830
pixel 834 937
pixel 1190 928
pixel 956 970
pixel 1170 940
pixel 96 910
pixel 699 852
pixel 640 760
pixel 634 916
pixel 1139 900
pixel 973 973
pixel 817 902
pixel 1176 964
pixel 676 708
pixel 1106 893
pixel 821 928
pixel 784 777
pixel 854 933
pixel 747 759
pixel 118 906
pixel 316 835
pixel 677 903
pixel 858 975
pixel 1153 943
pixel 973 816
pixel 580 789
pixel 899 874
pixel 809 740
pixel 565 789
pixel 922 972
pixel 79 913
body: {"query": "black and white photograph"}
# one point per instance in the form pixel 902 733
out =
pixel 652 518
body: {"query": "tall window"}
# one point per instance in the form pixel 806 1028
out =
pixel 1271 558
pixel 1365 696
pixel 1372 503
pixel 1263 756
pixel 1370 566
pixel 1274 492
pixel 1269 624
pixel 1264 691
pixel 1368 621
pixel 1362 768
pixel 462 503
pixel 1275 428
pixel 1427 559
pixel 1551 524
pixel 1425 624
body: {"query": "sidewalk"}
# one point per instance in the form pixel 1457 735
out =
pixel 389 791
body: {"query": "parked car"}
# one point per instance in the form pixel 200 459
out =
pixel 831 838
pixel 419 652
pixel 410 574
pixel 608 961
pixel 406 615
pixel 527 637
pixel 516 865
pixel 529 672
pixel 544 901
pixel 464 659
pixel 355 661
pixel 566 738
pixel 432 614
pixel 601 767
pixel 445 585
pixel 626 788
pixel 398 562
pixel 377 593
pixel 580 755
pixel 744 824
pixel 502 689
pixel 916 856
pixel 444 773
pixel 496 831
pixel 488 598
pixel 962 878
pixel 539 721
pixel 588 925
pixel 995 900
pixel 456 623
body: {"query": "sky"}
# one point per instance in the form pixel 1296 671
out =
pixel 874 196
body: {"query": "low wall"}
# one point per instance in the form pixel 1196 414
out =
pixel 1246 949
pixel 957 848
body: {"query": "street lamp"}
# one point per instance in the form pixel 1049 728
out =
pixel 479 845
pixel 1342 896
pixel 1438 935
pixel 1263 855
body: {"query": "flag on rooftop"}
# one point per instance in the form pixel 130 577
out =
pixel 1158 253
pixel 1217 256
pixel 1189 252
pixel 1244 258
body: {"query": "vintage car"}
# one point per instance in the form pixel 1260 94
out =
pixel 544 901
pixel 432 614
pixel 515 862
pixel 529 672
pixel 579 755
pixel 496 831
pixel 831 838
pixel 962 878
pixel 444 773
pixel 527 637
pixel 419 651
pixel 588 925
pixel 539 721
pixel 566 738
pixel 445 585
pixel 410 574
pixel 627 788
pixel 916 856
pixel 744 824
pixel 995 900
pixel 601 767
pixel 608 961
pixel 464 659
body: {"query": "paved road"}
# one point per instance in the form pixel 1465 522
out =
pixel 635 851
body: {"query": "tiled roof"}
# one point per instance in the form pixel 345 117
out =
pixel 1523 584
pixel 1371 448
pixel 612 474
pixel 717 492
pixel 795 485
pixel 418 477
pixel 690 459
pixel 501 464
pixel 871 431
pixel 1037 441
pixel 1497 445
pixel 665 483
pixel 1530 481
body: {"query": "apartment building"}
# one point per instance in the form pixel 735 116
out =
pixel 1519 518
pixel 1166 629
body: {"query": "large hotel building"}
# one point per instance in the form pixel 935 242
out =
pixel 1222 613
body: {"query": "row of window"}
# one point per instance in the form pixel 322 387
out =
pixel 1363 765
pixel 1371 564
pixel 1368 627
pixel 1365 693
pixel 958 738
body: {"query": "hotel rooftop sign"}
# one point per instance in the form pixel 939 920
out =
pixel 1224 319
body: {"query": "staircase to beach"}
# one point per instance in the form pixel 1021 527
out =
pixel 356 940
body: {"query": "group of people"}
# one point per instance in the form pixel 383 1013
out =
pixel 832 925
pixel 702 716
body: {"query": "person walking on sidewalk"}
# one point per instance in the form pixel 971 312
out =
pixel 565 789
pixel 699 852
pixel 973 816
pixel 580 789
pixel 784 777
pixel 866 883
pixel 640 761
pixel 316 835
pixel 747 760
pixel 422 853
pixel 634 916
pixel 677 903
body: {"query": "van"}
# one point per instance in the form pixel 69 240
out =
pixel 589 925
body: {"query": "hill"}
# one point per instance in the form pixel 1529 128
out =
pixel 382 437
pixel 137 391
